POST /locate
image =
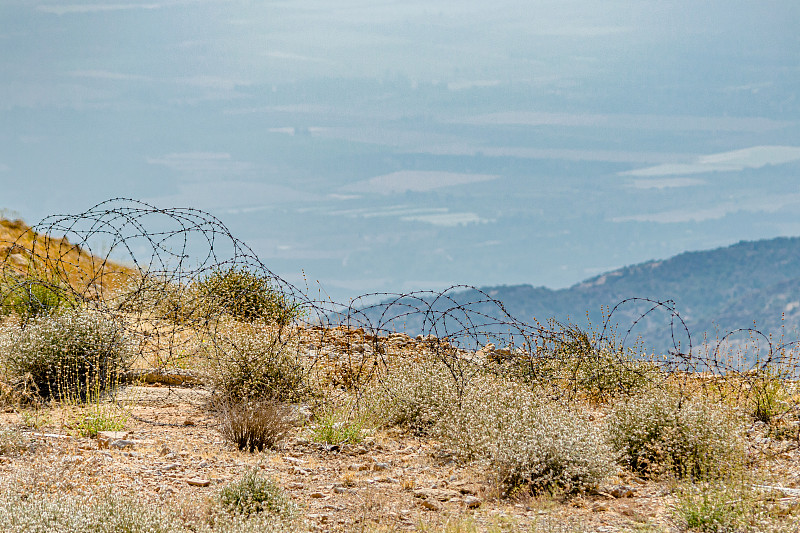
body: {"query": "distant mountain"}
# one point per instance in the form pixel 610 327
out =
pixel 747 285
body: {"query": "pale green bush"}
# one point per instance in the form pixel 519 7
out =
pixel 660 433
pixel 481 416
pixel 74 355
pixel 37 513
pixel 255 493
pixel 12 442
pixel 526 442
pixel 414 394
pixel 110 513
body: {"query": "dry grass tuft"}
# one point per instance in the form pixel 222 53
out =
pixel 255 424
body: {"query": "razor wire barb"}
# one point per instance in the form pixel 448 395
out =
pixel 159 272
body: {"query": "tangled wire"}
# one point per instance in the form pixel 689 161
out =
pixel 182 286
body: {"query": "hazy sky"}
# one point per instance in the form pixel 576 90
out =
pixel 405 145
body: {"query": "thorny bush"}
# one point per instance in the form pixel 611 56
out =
pixel 252 362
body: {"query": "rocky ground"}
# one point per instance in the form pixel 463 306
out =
pixel 171 451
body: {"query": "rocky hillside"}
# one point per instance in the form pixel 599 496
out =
pixel 750 284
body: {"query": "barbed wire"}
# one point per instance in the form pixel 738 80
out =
pixel 149 268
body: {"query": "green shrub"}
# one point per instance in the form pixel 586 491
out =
pixel 99 417
pixel 76 355
pixel 769 396
pixel 255 493
pixel 252 363
pixel 729 505
pixel 660 433
pixel 35 417
pixel 708 509
pixel 254 425
pixel 337 426
pixel 245 295
pixel 32 297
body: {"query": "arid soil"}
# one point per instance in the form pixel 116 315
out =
pixel 172 451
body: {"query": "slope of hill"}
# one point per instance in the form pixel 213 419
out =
pixel 24 252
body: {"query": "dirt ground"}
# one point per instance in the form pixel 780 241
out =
pixel 172 451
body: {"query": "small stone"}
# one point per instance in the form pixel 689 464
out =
pixel 189 422
pixel 317 495
pixel 198 482
pixel 472 502
pixel 435 494
pixel 105 438
pixel 622 491
pixel 431 505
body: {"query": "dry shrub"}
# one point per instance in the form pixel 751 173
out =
pixel 160 298
pixel 660 433
pixel 580 366
pixel 254 425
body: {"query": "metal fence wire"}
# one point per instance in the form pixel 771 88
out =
pixel 151 270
